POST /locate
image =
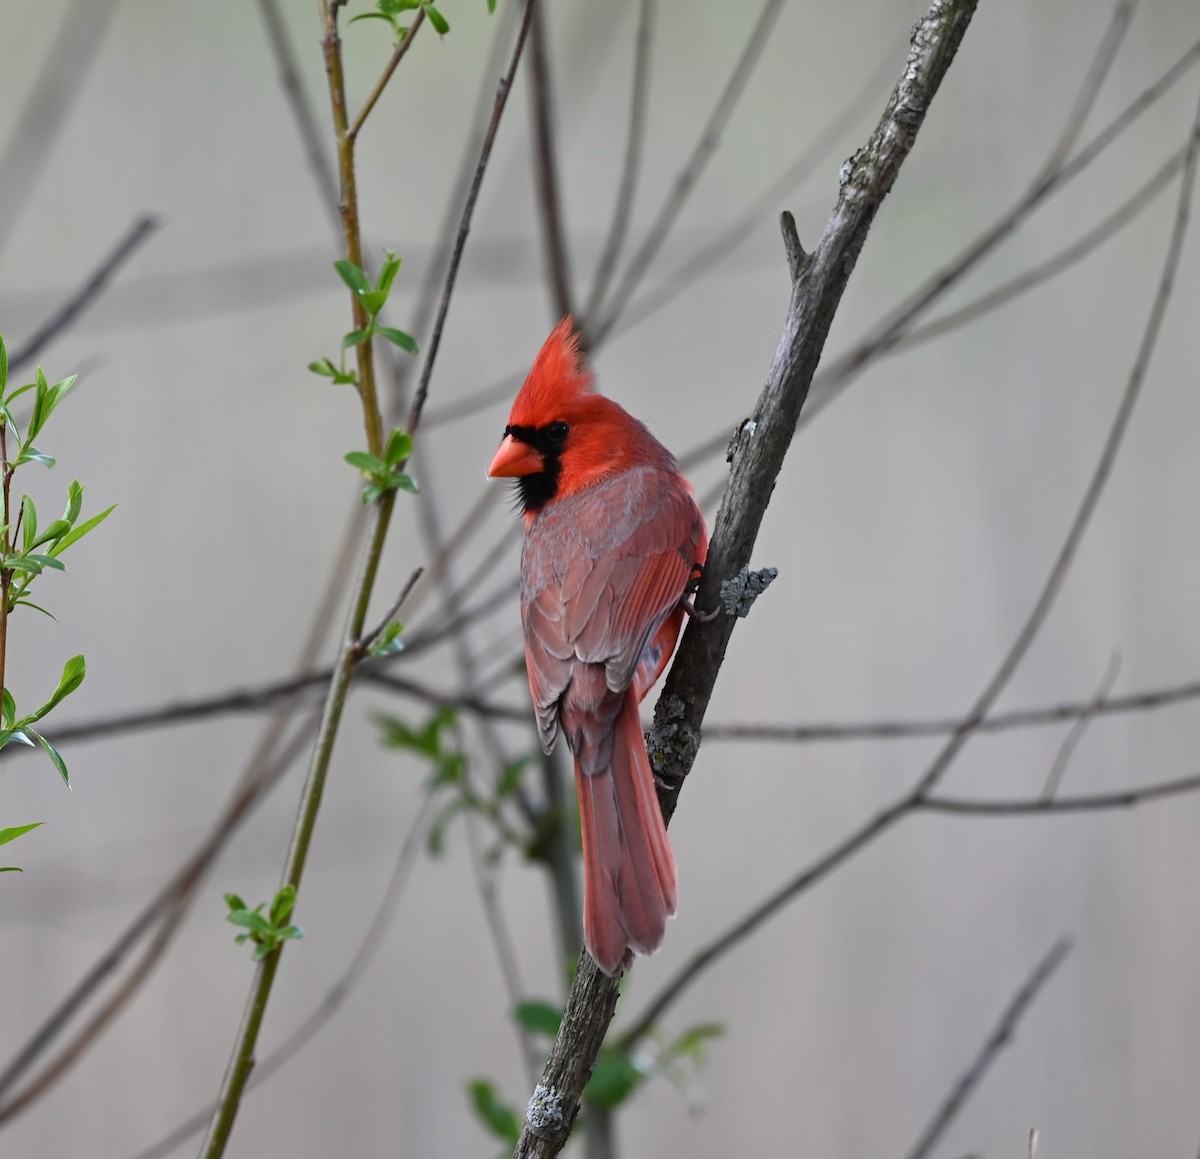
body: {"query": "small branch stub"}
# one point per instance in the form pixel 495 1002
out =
pixel 797 259
pixel 671 740
pixel 544 1114
pixel 738 594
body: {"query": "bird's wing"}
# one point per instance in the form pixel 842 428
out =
pixel 602 571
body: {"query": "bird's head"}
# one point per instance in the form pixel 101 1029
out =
pixel 560 435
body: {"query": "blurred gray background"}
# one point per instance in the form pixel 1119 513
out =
pixel 913 526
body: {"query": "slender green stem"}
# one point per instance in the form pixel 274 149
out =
pixel 396 57
pixel 5 573
pixel 331 47
pixel 241 1062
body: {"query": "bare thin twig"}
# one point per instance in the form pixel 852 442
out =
pixel 1063 259
pixel 1066 750
pixel 1000 1037
pixel 53 94
pixel 1080 803
pixel 485 152
pixel 844 370
pixel 92 287
pixel 398 54
pixel 815 154
pixel 837 374
pixel 652 300
pixel 545 160
pixel 630 165
pixel 1085 100
pixel 997 722
pixel 297 99
pixel 439 260
pixel 364 645
pixel 710 138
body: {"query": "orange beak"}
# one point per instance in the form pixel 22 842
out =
pixel 514 459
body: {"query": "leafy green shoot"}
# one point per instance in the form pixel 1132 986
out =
pixel 267 931
pixel 372 299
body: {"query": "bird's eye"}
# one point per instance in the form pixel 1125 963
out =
pixel 556 432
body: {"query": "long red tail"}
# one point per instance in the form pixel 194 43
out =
pixel 628 869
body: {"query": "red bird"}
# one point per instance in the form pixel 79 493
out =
pixel 613 540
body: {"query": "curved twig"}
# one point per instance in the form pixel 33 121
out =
pixel 485 152
pixel 1000 1037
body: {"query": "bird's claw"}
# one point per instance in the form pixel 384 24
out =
pixel 697 615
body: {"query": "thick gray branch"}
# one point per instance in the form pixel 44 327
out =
pixel 757 458
pixel 762 443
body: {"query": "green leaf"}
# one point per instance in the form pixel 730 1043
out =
pixel 74 502
pixel 36 607
pixel 372 301
pixel 7 416
pixel 233 901
pixel 373 16
pixel 389 642
pixel 47 561
pixel 496 1116
pixel 370 494
pixel 15 831
pixel 440 25
pixel 33 455
pixel 366 462
pixel 323 366
pixel 436 838
pixel 540 1017
pixel 36 420
pixel 54 530
pixel 77 533
pixel 510 778
pixel 249 919
pixel 353 276
pixel 692 1043
pixel 282 906
pixel 53 754
pixel 72 677
pixel 451 770
pixel 613 1080
pixel 20 391
pixel 403 482
pixel 398 5
pixel 8 713
pixel 24 564
pixel 427 740
pixel 396 337
pixel 491 6
pixel 47 400
pixel 3 364
pixel 387 274
pixel 28 523
pixel 399 447
pixel 354 338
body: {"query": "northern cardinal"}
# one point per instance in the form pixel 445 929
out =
pixel 613 541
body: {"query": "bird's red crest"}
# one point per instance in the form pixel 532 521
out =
pixel 558 375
